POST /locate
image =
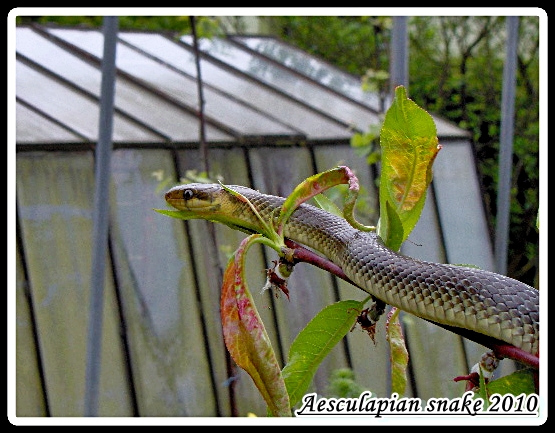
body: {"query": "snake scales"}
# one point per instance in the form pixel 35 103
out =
pixel 462 297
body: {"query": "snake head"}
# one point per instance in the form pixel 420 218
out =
pixel 216 203
pixel 197 198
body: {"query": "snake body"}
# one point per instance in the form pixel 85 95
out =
pixel 462 297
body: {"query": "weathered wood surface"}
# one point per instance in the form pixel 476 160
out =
pixel 29 398
pixel 54 193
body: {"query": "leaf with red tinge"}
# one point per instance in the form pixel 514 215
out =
pixel 245 336
pixel 310 187
pixel 318 183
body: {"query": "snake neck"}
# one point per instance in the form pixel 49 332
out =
pixel 309 225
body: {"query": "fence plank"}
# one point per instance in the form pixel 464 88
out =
pixel 467 238
pixel 54 198
pixel 277 171
pixel 433 350
pixel 229 164
pixel 29 392
pixel 170 366
pixel 369 360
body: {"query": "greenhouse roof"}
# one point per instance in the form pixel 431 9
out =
pixel 256 89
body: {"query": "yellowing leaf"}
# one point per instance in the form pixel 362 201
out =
pixel 398 353
pixel 409 146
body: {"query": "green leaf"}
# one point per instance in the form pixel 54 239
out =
pixel 409 145
pixel 245 335
pixel 179 214
pixel 521 381
pixel 395 230
pixel 314 343
pixel 328 205
pixel 343 384
pixel 358 140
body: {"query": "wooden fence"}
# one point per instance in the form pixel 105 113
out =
pixel 162 348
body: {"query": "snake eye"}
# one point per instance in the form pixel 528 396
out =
pixel 188 194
